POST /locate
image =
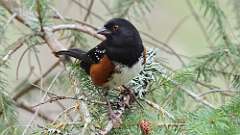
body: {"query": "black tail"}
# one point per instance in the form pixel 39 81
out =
pixel 75 53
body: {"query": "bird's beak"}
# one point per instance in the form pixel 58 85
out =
pixel 103 31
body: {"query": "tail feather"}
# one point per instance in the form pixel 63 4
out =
pixel 75 53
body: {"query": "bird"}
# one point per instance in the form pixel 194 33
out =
pixel 113 62
pixel 116 60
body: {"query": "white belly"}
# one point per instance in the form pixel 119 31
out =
pixel 124 74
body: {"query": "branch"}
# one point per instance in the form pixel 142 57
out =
pixel 159 108
pixel 48 35
pixel 63 112
pixel 83 28
pixel 176 28
pixel 22 16
pixel 89 10
pixel 57 98
pixel 196 97
pixel 86 8
pixel 29 86
pixel 174 125
pixel 201 26
pixel 164 49
pixel 42 99
pixel 53 43
pixel 227 92
pixel 29 109
pixel 18 44
pixel 123 102
pixel 165 45
pixel 75 21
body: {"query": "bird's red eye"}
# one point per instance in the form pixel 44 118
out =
pixel 115 27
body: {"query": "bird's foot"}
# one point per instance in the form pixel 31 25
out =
pixel 132 96
pixel 113 116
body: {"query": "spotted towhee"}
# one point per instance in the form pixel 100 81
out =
pixel 116 60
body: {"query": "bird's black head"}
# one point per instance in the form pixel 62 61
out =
pixel 123 43
pixel 120 32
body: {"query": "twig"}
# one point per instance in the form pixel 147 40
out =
pixel 76 21
pixel 52 95
pixel 86 116
pixel 179 24
pixel 10 19
pixel 164 49
pixel 85 8
pixel 29 86
pixel 57 98
pixel 29 109
pixel 22 15
pixel 89 10
pixel 159 108
pixel 43 98
pixel 165 45
pixel 58 14
pixel 38 61
pixel 20 60
pixel 63 112
pixel 39 12
pixel 167 125
pixel 198 20
pixel 53 131
pixel 123 102
pixel 217 91
pixel 110 124
pixel 106 6
pixel 196 97
pixel 52 99
pixel 17 44
pixel 51 40
pixel 82 28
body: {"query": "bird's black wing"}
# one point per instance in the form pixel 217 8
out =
pixel 95 55
pixel 75 53
pixel 97 52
